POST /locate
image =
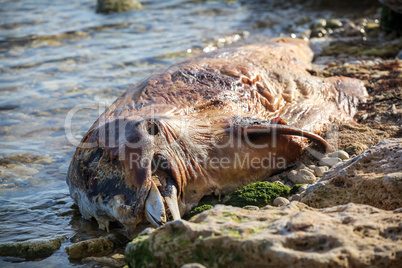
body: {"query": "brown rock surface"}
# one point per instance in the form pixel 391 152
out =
pixel 373 178
pixel 291 236
pixel 90 248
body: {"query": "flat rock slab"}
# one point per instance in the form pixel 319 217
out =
pixel 373 178
pixel 290 236
pixel 34 248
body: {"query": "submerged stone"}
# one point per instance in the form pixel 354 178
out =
pixel 34 248
pixel 108 6
pixel 90 248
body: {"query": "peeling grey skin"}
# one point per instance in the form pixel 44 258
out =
pixel 146 158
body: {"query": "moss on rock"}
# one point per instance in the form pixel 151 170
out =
pixel 199 209
pixel 138 253
pixel 295 189
pixel 256 194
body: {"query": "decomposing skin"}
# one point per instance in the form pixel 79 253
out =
pixel 207 125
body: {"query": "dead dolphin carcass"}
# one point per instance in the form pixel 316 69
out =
pixel 209 124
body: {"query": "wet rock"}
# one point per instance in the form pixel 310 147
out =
pixel 319 171
pixel 391 20
pixel 351 29
pixel 399 56
pixel 290 236
pixel 256 194
pixel 318 23
pixel 34 248
pixel 340 154
pixel 330 161
pixel 90 248
pixel 108 6
pixel 318 32
pixel 110 262
pixel 372 178
pixel 280 201
pixel 334 24
pixel 301 177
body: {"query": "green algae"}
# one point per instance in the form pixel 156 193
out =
pixel 295 189
pixel 138 253
pixel 199 209
pixel 257 194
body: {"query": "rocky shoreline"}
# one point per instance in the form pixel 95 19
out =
pixel 342 211
pixel 290 236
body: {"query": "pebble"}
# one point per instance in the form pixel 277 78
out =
pixel 250 207
pixel 318 23
pixel 193 265
pixel 289 184
pixel 334 23
pixel 329 161
pixel 278 182
pixel 280 201
pixel 303 176
pixel 302 188
pixel 364 116
pixel 356 149
pixel 319 32
pixel 303 166
pixel 319 171
pixel 295 197
pixel 341 154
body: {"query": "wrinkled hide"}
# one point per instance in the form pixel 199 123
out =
pixel 194 128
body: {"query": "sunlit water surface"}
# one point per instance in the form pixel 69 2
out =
pixel 60 62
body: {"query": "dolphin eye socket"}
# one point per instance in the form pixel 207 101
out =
pixel 152 128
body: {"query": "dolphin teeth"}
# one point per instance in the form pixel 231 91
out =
pixel 171 202
pixel 154 208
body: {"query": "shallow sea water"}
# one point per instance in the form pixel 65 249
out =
pixel 62 64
